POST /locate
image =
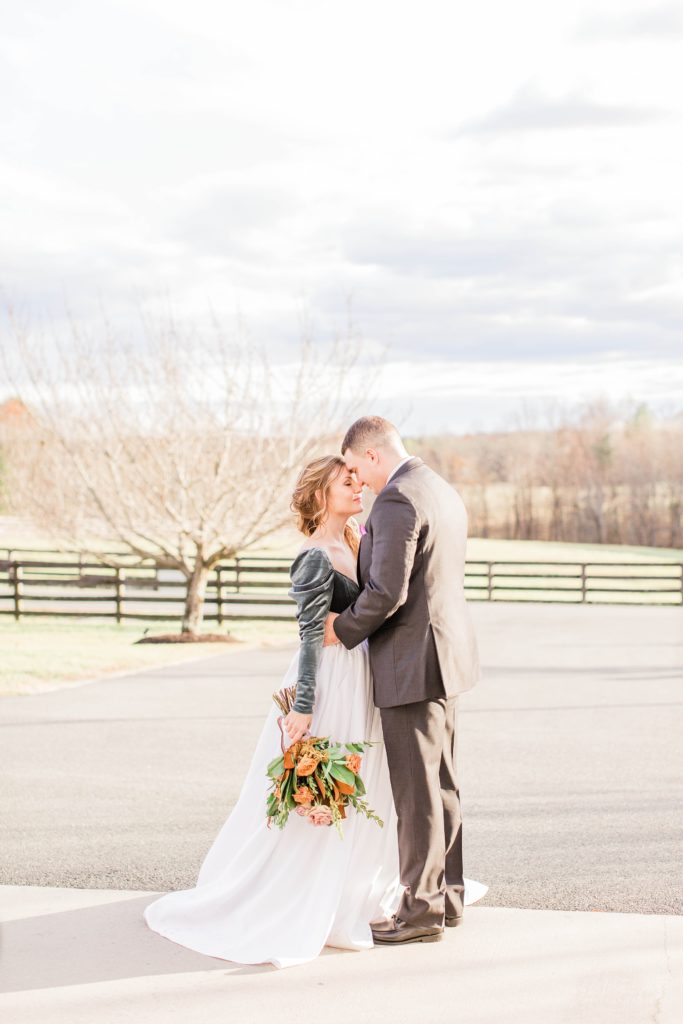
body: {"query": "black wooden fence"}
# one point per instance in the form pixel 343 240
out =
pixel 256 588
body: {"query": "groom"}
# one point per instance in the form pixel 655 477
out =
pixel 423 653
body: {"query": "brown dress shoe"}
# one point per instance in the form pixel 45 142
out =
pixel 386 923
pixel 454 922
pixel 399 932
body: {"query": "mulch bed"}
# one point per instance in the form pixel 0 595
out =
pixel 188 638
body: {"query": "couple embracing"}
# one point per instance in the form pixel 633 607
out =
pixel 386 646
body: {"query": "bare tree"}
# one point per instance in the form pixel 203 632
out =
pixel 672 483
pixel 597 473
pixel 182 446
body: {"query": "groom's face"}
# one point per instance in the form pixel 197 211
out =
pixel 367 467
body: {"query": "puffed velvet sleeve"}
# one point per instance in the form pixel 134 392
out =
pixel 312 576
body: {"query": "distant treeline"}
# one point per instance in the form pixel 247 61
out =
pixel 596 480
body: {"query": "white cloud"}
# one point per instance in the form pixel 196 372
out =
pixel 493 184
pixel 661 22
pixel 531 110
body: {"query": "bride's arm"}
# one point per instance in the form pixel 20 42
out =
pixel 312 576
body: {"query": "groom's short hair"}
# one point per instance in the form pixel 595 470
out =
pixel 370 432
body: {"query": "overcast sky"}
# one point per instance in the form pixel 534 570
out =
pixel 495 187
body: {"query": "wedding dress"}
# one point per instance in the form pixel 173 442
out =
pixel 269 896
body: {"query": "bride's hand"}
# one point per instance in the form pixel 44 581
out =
pixel 330 635
pixel 296 725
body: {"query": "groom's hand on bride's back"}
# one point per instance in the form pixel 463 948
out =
pixel 330 635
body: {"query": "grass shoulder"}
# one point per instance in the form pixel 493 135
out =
pixel 51 652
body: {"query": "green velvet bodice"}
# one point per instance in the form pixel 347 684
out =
pixel 318 588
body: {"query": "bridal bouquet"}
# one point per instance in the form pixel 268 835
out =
pixel 316 777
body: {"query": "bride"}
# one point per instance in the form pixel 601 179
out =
pixel 269 896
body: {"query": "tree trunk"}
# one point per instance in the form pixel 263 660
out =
pixel 194 601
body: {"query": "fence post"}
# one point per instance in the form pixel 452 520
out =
pixel 18 590
pixel 120 593
pixel 219 596
pixel 489 581
pixel 583 582
pixel 237 575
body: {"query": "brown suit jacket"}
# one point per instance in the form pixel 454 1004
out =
pixel 412 609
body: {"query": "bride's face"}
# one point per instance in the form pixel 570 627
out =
pixel 344 495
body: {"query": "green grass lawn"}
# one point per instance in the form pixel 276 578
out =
pixel 40 654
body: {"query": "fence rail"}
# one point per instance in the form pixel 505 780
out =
pixel 256 587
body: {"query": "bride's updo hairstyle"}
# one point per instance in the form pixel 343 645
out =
pixel 309 500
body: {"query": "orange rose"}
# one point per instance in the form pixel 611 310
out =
pixel 307 765
pixel 353 763
pixel 303 795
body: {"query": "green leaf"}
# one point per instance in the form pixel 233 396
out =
pixel 340 771
pixel 276 767
pixel 286 786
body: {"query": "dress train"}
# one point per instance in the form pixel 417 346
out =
pixel 269 896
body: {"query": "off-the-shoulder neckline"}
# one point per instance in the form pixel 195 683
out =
pixel 314 547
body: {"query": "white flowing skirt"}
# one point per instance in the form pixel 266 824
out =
pixel 269 896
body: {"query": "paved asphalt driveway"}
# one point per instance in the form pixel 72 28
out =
pixel 569 755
